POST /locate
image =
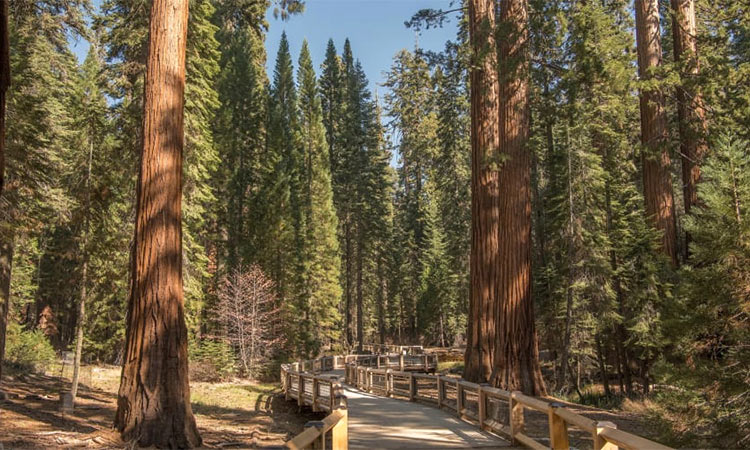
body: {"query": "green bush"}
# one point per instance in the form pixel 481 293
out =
pixel 211 360
pixel 28 350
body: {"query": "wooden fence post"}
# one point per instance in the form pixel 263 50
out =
pixel 599 442
pixel 300 390
pixel 401 362
pixel 482 405
pixel 412 387
pixel 388 383
pixel 558 428
pixel 315 387
pixel 340 432
pixel 516 417
pixel 440 392
pixel 459 399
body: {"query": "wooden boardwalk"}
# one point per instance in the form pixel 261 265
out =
pixel 392 409
pixel 379 422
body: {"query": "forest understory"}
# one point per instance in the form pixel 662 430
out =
pixel 234 414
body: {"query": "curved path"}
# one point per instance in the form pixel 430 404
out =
pixel 379 422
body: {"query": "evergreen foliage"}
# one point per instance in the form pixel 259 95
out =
pixel 360 213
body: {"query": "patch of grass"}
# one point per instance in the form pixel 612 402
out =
pixel 592 396
pixel 451 366
pixel 236 395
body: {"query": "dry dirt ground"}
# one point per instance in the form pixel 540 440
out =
pixel 229 415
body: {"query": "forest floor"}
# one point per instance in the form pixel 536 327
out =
pixel 237 414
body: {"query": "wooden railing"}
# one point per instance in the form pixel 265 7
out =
pixel 495 410
pixel 322 393
pixel 386 349
pixel 484 405
pixel 401 361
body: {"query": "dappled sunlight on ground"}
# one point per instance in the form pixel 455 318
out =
pixel 240 414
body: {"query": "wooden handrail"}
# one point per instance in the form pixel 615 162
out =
pixel 359 371
pixel 629 441
pixel 336 422
pixel 605 435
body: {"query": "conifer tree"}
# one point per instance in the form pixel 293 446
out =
pixel 201 155
pixel 516 356
pixel 240 128
pixel 154 397
pixel 690 107
pixel 656 162
pixel 36 139
pixel 94 126
pixel 410 104
pixel 485 143
pixel 281 193
pixel 321 291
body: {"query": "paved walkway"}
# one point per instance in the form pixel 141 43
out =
pixel 379 422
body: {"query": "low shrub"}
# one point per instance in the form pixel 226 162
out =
pixel 211 360
pixel 28 350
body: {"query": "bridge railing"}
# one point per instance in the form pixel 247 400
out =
pixel 474 403
pixel 386 349
pixel 322 393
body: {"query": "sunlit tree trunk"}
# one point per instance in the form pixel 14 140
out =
pixel 6 264
pixel 4 83
pixel 690 111
pixel 657 180
pixel 516 350
pixel 381 299
pixel 153 405
pixel 348 319
pixel 84 279
pixel 360 292
pixel 484 262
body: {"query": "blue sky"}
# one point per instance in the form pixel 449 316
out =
pixel 374 27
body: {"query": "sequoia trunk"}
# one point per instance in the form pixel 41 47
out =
pixel 484 263
pixel 690 111
pixel 657 183
pixel 516 350
pixel 153 405
pixel 6 264
pixel 4 82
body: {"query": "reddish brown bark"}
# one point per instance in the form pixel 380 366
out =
pixel 4 82
pixel 153 405
pixel 657 180
pixel 690 110
pixel 484 263
pixel 6 264
pixel 516 350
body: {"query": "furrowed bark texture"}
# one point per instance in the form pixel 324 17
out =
pixel 484 263
pixel 516 350
pixel 153 406
pixel 6 264
pixel 4 82
pixel 657 184
pixel 690 110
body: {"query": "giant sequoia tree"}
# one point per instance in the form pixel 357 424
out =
pixel 153 405
pixel 657 178
pixel 516 354
pixel 690 108
pixel 4 84
pixel 485 142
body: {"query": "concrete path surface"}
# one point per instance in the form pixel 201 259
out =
pixel 380 422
